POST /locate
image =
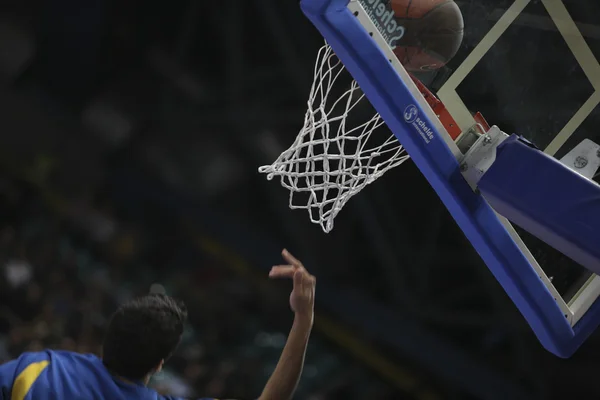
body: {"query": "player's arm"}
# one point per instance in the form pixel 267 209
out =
pixel 282 383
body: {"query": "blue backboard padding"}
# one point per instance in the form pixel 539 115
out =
pixel 391 97
pixel 547 199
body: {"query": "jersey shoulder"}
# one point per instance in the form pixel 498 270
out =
pixel 19 375
pixel 29 360
pixel 53 375
pixel 58 375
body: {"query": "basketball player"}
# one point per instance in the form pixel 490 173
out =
pixel 140 337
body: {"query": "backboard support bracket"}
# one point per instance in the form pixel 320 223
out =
pixel 584 159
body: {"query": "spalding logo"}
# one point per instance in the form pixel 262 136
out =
pixel 382 15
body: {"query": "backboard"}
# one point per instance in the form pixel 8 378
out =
pixel 506 72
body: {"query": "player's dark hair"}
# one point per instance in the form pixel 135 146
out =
pixel 141 333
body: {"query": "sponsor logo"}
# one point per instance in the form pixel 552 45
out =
pixel 382 15
pixel 411 116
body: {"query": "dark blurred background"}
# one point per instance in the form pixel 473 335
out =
pixel 130 136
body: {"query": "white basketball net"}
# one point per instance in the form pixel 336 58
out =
pixel 335 155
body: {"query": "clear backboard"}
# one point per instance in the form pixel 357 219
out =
pixel 529 69
pixel 532 68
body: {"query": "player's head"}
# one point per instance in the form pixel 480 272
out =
pixel 142 334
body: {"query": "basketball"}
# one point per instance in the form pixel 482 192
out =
pixel 433 32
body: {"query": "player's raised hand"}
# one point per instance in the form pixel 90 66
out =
pixel 302 299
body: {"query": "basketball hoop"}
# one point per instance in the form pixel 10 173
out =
pixel 336 154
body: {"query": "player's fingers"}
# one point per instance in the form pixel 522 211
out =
pixel 290 258
pixel 282 271
pixel 309 283
pixel 298 280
